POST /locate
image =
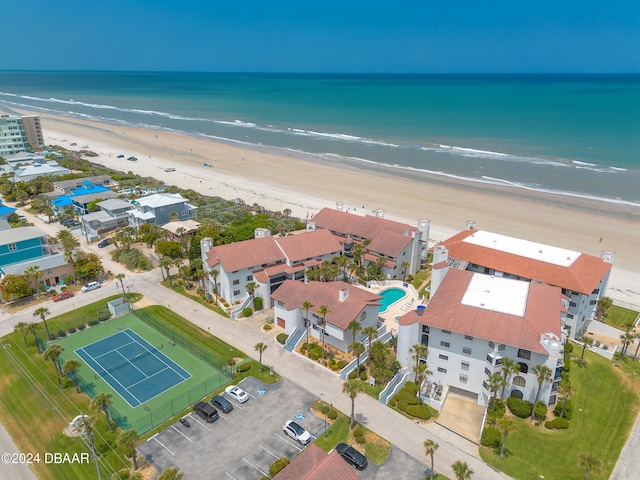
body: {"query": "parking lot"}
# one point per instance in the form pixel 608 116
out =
pixel 242 444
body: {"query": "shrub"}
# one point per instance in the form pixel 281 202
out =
pixel 410 387
pixel 402 405
pixel 258 303
pixel 352 375
pixel 357 432
pixel 359 439
pixel 247 312
pixel 282 338
pixel 499 409
pixel 332 415
pixel 303 347
pixel 520 408
pixel 93 322
pixel 72 329
pixel 363 376
pixel 82 327
pixel 419 411
pixel 332 363
pixel 132 259
pixel 568 411
pixel 491 437
pixel 243 367
pixel 541 411
pixel 62 333
pixel 342 364
pixel 557 424
pixel 267 327
pixel 278 466
pixel 104 314
pixel 324 408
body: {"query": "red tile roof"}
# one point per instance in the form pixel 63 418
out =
pixel 246 254
pixel 368 226
pixel 373 259
pixel 335 220
pixel 314 464
pixel 309 244
pixel 389 243
pixel 582 276
pixel 371 226
pixel 542 314
pixel 293 294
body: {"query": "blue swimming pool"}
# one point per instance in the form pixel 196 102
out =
pixel 389 297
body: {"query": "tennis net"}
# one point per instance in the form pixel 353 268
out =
pixel 129 361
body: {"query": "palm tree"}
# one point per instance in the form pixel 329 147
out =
pixel 260 347
pixel 251 288
pixel 43 313
pixel 627 338
pixel 33 329
pixel 419 351
pixel 405 266
pixel 495 382
pixel 53 353
pixel 635 355
pixel 127 441
pixel 358 252
pixel 23 328
pixel 422 372
pixel 543 374
pixel 370 332
pixel 604 304
pixel 506 426
pixel 71 367
pixel 101 402
pixel 566 391
pixel 167 263
pixel 357 348
pixel 462 470
pixel 509 368
pixel 586 341
pixel 34 274
pixel 430 448
pixel 120 277
pixel 323 311
pixel 590 463
pixel 214 273
pixel 352 388
pixel 355 326
pixel 171 473
pixel 306 305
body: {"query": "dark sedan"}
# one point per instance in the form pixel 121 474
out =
pixel 221 403
pixel 352 456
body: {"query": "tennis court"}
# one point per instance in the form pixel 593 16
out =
pixel 133 367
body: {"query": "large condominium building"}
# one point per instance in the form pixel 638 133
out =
pixel 18 134
pixel 474 321
pixel 583 278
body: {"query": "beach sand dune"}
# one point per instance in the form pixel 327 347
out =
pixel 303 184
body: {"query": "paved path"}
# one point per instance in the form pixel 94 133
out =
pixel 14 471
pixel 627 466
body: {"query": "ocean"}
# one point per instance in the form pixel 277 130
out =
pixel 569 135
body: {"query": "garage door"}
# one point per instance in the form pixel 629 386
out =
pixel 281 322
pixel 463 393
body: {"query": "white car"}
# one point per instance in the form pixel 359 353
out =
pixel 91 286
pixel 296 432
pixel 236 393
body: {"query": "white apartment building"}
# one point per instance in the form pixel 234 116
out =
pixel 473 321
pixel 18 134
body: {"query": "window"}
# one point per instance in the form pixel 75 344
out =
pixel 572 304
pixel 446 331
pixel 12 247
pixel 466 351
pixel 501 347
pixel 249 278
pixel 363 315
pixel 570 315
pixel 463 378
pixel 236 292
pixel 593 302
pixel 487 371
pixel 443 357
pixel 526 354
pixel 596 291
pixel 492 345
pixel 524 368
pixel 519 381
pixel 442 370
pixel 464 365
pixel 49 271
pixel 236 282
pixel 468 337
pixel 445 344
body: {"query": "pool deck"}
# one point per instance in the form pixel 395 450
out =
pixel 407 303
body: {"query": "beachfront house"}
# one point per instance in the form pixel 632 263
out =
pixel 473 322
pixel 5 213
pixel 265 261
pixel 345 303
pixel 24 247
pixel 65 187
pixel 583 278
pixel 79 197
pixel 113 214
pixel 398 248
pixel 38 169
pixel 161 208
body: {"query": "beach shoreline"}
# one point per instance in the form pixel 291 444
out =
pixel 281 179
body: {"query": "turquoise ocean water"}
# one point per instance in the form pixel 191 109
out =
pixel 575 135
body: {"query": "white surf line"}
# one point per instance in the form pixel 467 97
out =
pixel 163 446
pixel 181 433
pixel 287 441
pixel 247 461
pixel 229 476
pixel 270 453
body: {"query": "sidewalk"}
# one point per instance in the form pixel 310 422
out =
pixel 399 430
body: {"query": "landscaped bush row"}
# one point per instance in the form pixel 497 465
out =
pixel 278 466
pixel 244 367
pixel 282 338
pixel 491 437
pixel 568 409
pixel 541 411
pixel 363 373
pixel 557 423
pixel 74 328
pixel 406 401
pixel 419 411
pixel 247 312
pixel 358 434
pixel 520 408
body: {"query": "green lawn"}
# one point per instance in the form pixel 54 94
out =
pixel 605 407
pixel 620 317
pixel 211 306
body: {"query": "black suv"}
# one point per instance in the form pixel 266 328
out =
pixel 221 403
pixel 352 456
pixel 206 412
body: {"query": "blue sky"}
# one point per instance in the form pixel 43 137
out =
pixel 323 36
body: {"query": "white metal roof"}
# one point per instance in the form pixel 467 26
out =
pixel 523 248
pixel 503 295
pixel 20 234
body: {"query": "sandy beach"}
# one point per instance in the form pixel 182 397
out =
pixel 305 185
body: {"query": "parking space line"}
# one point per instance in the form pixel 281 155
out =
pixel 163 446
pixel 270 453
pixel 263 473
pixel 172 426
pixel 229 476
pixel 285 440
pixel 198 421
pixel 235 404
